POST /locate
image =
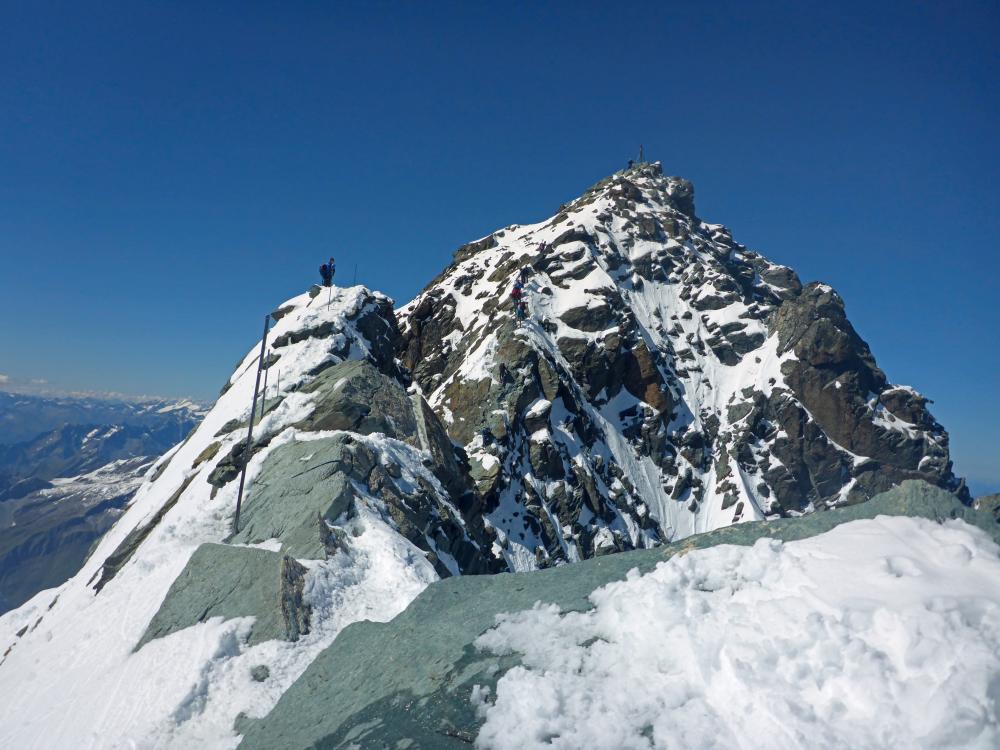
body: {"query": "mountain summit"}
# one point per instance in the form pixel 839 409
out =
pixel 669 380
pixel 661 380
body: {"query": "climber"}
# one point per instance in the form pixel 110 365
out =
pixel 631 163
pixel 522 275
pixel 517 295
pixel 326 271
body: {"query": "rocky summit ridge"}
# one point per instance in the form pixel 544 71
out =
pixel 666 381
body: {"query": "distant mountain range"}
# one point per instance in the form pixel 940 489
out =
pixel 24 417
pixel 70 478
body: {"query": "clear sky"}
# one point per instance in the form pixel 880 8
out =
pixel 169 171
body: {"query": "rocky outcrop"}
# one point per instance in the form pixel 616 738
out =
pixel 356 396
pixel 839 389
pixel 990 505
pixel 224 581
pixel 303 487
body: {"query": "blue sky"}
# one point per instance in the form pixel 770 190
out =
pixel 169 172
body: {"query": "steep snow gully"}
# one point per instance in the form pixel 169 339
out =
pixel 666 382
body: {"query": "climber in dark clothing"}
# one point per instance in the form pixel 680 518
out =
pixel 517 295
pixel 326 271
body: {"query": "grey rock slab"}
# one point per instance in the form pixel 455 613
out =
pixel 224 581
pixel 302 486
pixel 355 396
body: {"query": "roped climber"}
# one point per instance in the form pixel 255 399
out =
pixel 326 272
pixel 517 294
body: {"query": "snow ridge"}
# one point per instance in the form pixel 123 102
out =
pixel 68 669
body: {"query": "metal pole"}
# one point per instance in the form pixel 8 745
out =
pixel 253 410
pixel 263 399
pixel 329 296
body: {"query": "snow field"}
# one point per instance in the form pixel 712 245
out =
pixel 880 633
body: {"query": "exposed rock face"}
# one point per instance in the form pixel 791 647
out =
pixel 835 379
pixel 989 504
pixel 224 581
pixel 691 382
pixel 306 488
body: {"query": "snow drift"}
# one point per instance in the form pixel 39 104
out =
pixel 881 633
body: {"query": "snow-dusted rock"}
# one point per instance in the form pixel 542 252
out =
pixel 692 382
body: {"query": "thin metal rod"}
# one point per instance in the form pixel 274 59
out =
pixel 253 410
pixel 329 296
pixel 263 398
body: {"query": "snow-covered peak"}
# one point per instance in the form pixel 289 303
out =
pixel 693 382
pixel 621 375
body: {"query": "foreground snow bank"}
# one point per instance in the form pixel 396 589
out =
pixel 879 633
